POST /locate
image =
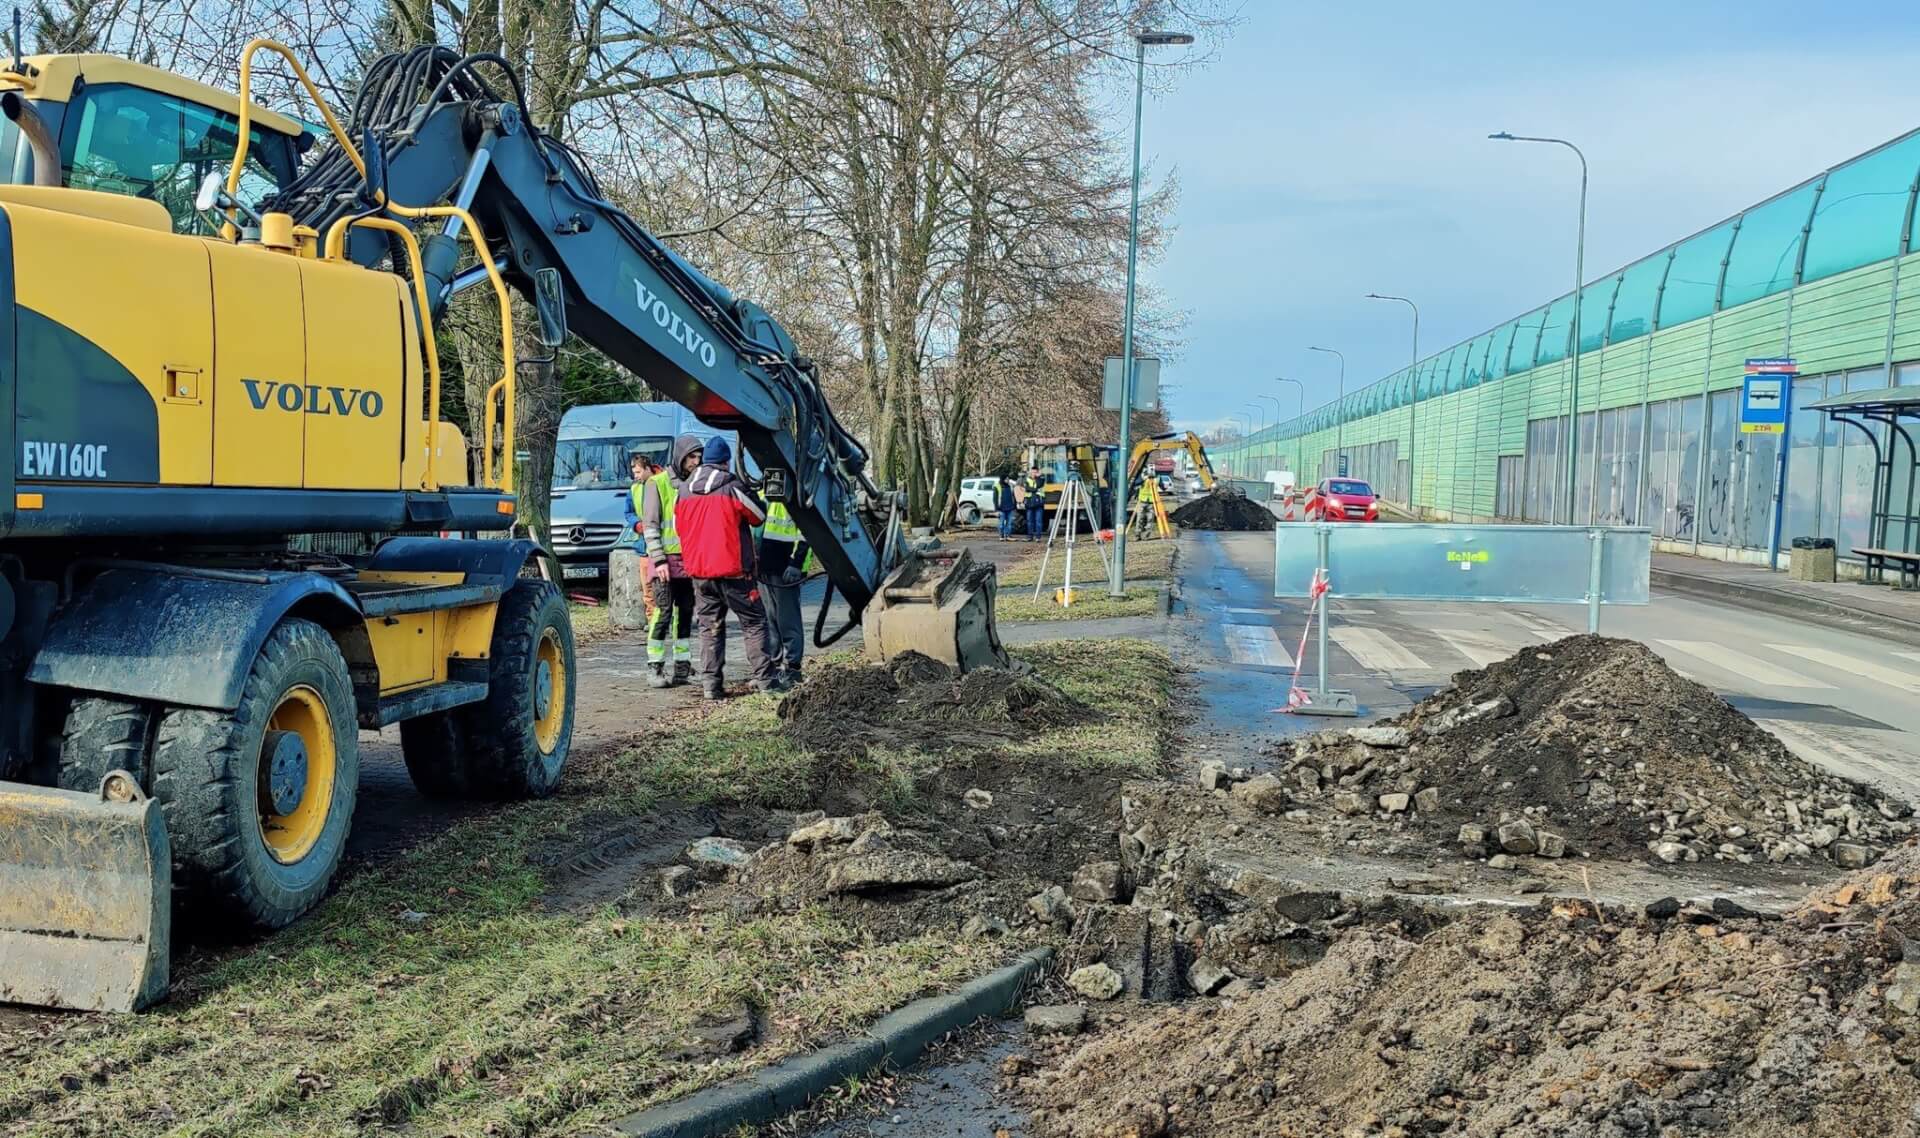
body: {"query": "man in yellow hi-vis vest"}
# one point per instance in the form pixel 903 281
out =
pixel 782 567
pixel 669 589
pixel 1143 507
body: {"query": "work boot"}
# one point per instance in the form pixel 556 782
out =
pixel 793 677
pixel 682 671
pixel 657 676
pixel 776 685
pixel 713 689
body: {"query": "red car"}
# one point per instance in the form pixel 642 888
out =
pixel 1342 500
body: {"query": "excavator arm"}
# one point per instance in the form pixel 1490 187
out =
pixel 1145 448
pixel 431 127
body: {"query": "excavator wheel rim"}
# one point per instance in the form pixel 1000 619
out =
pixel 290 837
pixel 550 670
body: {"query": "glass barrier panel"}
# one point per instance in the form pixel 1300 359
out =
pixel 1767 249
pixel 1443 562
pixel 1694 279
pixel 1862 209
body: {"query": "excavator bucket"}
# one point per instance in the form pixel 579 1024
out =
pixel 939 604
pixel 85 887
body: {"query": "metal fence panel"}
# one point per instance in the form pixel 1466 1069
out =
pixel 1446 562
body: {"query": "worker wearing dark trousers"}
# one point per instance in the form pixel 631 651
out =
pixel 669 589
pixel 783 558
pixel 1033 498
pixel 715 514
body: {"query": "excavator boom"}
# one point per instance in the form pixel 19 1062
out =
pixel 439 127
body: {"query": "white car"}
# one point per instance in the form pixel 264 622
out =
pixel 976 500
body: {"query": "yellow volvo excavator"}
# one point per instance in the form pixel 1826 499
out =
pixel 217 335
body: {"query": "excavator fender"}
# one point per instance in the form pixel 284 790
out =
pixel 86 882
pixel 176 635
pixel 483 560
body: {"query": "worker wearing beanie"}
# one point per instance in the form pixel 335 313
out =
pixel 715 515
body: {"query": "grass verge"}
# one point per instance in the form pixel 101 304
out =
pixel 1146 560
pixel 436 994
pixel 590 622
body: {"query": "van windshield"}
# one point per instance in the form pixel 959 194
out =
pixel 601 464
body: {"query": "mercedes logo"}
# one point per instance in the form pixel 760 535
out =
pixel 576 536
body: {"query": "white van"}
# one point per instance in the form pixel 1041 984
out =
pixel 591 480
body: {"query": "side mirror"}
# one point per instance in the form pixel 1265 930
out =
pixel 550 301
pixel 211 188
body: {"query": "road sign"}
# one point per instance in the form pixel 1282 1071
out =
pixel 1343 466
pixel 1146 384
pixel 1764 396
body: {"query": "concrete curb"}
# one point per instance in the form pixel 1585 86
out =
pixel 1882 625
pixel 895 1040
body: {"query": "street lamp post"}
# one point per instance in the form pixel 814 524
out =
pixel 1339 421
pixel 1413 405
pixel 1300 408
pixel 1579 280
pixel 1277 411
pixel 1246 435
pixel 1142 40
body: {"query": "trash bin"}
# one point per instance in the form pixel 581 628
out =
pixel 1811 559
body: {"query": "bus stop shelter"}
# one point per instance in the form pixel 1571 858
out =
pixel 1888 417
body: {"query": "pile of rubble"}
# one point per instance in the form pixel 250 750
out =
pixel 1223 509
pixel 1594 747
pixel 916 701
pixel 1557 1020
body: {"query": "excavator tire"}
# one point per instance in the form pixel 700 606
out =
pixel 103 734
pixel 512 744
pixel 258 801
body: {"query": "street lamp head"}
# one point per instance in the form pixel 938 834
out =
pixel 1162 38
pixel 1503 136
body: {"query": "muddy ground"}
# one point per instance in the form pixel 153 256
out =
pixel 1239 957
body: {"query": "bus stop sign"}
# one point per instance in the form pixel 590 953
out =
pixel 1763 397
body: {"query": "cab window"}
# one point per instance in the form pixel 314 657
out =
pixel 129 140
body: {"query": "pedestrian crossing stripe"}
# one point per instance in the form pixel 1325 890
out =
pixel 1839 661
pixel 1743 664
pixel 1256 644
pixel 1374 649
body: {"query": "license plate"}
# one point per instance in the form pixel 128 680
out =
pixel 570 572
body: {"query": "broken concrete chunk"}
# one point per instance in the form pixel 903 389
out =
pixel 1395 803
pixel 1551 844
pixel 718 853
pixel 677 881
pixel 1263 792
pixel 977 798
pixel 1501 861
pixel 1427 801
pixel 1057 1019
pixel 1349 802
pixel 1097 881
pixel 1213 775
pixel 1851 855
pixel 1472 834
pixel 1308 778
pixel 1820 837
pixel 1380 736
pixel 1671 852
pixel 1903 995
pixel 1453 718
pixel 1096 981
pixel 1238 989
pixel 1517 837
pixel 896 869
pixel 1051 905
pixel 1206 977
pixel 823 831
pixel 980 927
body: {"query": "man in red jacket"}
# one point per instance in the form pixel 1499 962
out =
pixel 714 516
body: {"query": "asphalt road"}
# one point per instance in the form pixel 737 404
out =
pixel 1847 700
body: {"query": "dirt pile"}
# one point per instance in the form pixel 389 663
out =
pixel 1594 746
pixel 1225 509
pixel 1557 1020
pixel 916 702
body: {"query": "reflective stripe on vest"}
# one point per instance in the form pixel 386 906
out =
pixel 664 484
pixel 780 525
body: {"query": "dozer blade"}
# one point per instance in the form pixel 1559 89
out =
pixel 85 888
pixel 939 604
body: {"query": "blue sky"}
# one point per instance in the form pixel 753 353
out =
pixel 1323 152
